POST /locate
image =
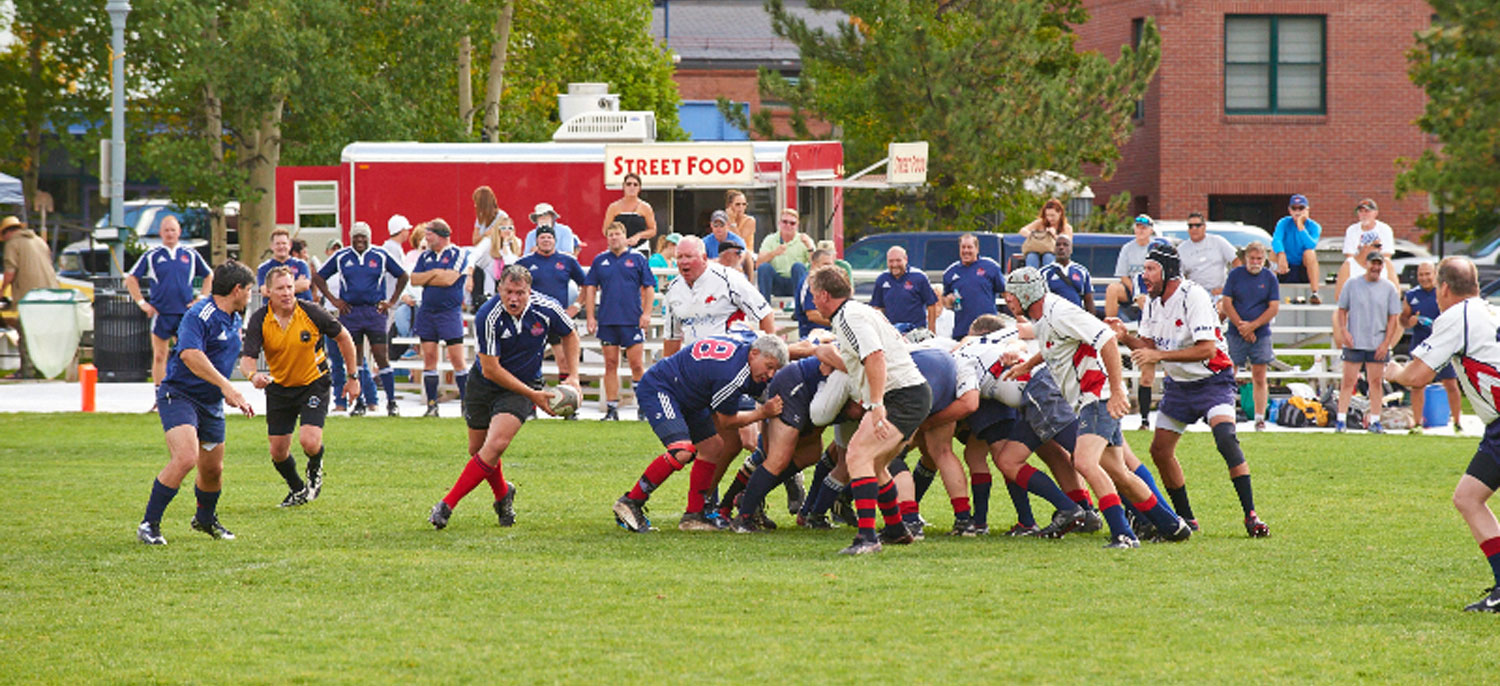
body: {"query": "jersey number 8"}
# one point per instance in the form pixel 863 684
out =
pixel 713 349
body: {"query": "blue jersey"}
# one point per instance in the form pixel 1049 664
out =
pixel 216 333
pixel 1425 304
pixel 710 373
pixel 363 274
pixel 976 284
pixel 711 244
pixel 299 269
pixel 804 304
pixel 904 300
pixel 1287 239
pixel 1070 282
pixel 941 372
pixel 620 279
pixel 1251 295
pixel 519 342
pixel 551 275
pixel 442 298
pixel 171 271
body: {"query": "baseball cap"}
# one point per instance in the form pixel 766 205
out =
pixel 544 208
pixel 397 223
pixel 674 238
pixel 360 229
pixel 1144 219
pixel 1375 256
pixel 548 230
pixel 1367 204
pixel 730 245
pixel 718 216
pixel 1297 200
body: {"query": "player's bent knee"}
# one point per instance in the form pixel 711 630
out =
pixel 681 453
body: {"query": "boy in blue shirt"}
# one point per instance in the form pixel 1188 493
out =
pixel 191 401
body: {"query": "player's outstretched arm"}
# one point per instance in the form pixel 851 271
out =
pixel 197 363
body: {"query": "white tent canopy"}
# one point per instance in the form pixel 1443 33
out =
pixel 10 190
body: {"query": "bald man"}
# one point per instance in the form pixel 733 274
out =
pixel 904 295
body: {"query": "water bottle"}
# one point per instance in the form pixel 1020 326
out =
pixel 958 302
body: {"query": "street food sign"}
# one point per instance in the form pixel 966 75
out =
pixel 907 163
pixel 681 164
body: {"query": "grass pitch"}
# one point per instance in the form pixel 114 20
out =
pixel 1362 579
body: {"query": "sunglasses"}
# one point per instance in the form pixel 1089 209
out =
pixel 1195 226
pixel 791 222
pixel 1298 208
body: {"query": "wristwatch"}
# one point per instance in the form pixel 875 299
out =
pixel 871 406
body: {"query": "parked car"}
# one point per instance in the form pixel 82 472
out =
pixel 1238 234
pixel 82 258
pixel 1406 258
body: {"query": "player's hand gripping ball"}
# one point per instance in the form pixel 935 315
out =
pixel 565 400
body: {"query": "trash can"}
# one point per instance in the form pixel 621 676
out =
pixel 122 334
pixel 1435 406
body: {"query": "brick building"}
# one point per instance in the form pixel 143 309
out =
pixel 1257 100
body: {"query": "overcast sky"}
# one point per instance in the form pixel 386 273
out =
pixel 7 10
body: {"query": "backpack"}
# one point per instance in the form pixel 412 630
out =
pixel 1301 413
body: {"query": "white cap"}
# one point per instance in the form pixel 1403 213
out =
pixel 361 229
pixel 396 224
pixel 544 208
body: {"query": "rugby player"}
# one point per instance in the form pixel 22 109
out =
pixel 171 268
pixel 626 290
pixel 440 271
pixel 291 332
pixel 363 307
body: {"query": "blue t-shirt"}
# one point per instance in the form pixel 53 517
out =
pixel 551 274
pixel 1424 303
pixel 977 284
pixel 709 373
pixel 620 279
pixel 363 275
pixel 207 328
pixel 711 244
pixel 519 342
pixel 299 268
pixel 1252 294
pixel 1070 282
pixel 803 305
pixel 442 298
pixel 905 300
pixel 941 372
pixel 1287 239
pixel 171 271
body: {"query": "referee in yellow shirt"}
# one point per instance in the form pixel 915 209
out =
pixel 291 332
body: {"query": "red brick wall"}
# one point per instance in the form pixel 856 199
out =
pixel 738 85
pixel 1188 149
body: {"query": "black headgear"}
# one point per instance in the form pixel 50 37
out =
pixel 1166 256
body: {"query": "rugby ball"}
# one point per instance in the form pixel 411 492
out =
pixel 1010 392
pixel 564 400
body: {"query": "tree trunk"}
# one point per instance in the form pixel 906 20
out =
pixel 213 133
pixel 33 169
pixel 497 72
pixel 466 84
pixel 259 155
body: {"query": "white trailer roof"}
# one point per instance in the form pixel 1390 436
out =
pixel 765 151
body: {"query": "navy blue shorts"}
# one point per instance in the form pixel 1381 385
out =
pixel 164 326
pixel 1190 401
pixel 1362 356
pixel 620 335
pixel 1023 433
pixel 1445 373
pixel 177 408
pixel 941 373
pixel 1486 463
pixel 992 421
pixel 1094 419
pixel 667 417
pixel 365 320
pixel 446 326
pixel 796 395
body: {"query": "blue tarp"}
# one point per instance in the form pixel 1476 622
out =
pixel 10 190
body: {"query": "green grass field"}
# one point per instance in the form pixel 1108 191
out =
pixel 1362 579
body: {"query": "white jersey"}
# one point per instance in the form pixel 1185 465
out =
pixel 981 356
pixel 719 299
pixel 966 376
pixel 1465 334
pixel 862 331
pixel 1181 321
pixel 1071 343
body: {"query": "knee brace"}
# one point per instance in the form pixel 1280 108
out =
pixel 1229 444
pixel 681 454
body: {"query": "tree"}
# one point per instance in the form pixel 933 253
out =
pixel 996 87
pixel 1457 62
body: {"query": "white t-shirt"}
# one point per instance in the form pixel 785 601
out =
pixel 1465 335
pixel 720 298
pixel 863 331
pixel 1206 262
pixel 982 358
pixel 1071 341
pixel 1181 321
pixel 1387 238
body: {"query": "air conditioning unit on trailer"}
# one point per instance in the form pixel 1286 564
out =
pixel 611 127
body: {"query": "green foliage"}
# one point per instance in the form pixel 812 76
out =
pixel 357 588
pixel 1457 62
pixel 996 87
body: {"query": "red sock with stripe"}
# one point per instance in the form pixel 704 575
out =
pixel 474 473
pixel 657 472
pixel 1081 496
pixel 910 511
pixel 1491 550
pixel 890 511
pixel 497 481
pixel 865 492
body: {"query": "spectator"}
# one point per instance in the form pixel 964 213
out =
pixel 731 255
pixel 1040 248
pixel 805 312
pixel 1368 212
pixel 1067 278
pixel 1417 312
pixel 281 256
pixel 903 295
pixel 1354 267
pixel 1365 326
pixel 1252 297
pixel 495 247
pixel 740 223
pixel 28 266
pixel 1294 247
pixel 1128 267
pixel 840 262
pixel 440 271
pixel 781 265
pixel 544 215
pixel 398 229
pixel 719 235
pixel 1206 258
pixel 971 285
pixel 636 214
pixel 665 256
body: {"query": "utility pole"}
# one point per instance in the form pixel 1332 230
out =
pixel 118 11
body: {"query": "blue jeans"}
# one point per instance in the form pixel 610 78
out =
pixel 1037 260
pixel 772 284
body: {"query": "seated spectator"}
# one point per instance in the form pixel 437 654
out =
pixel 1354 267
pixel 1128 268
pixel 781 265
pixel 1368 213
pixel 1206 258
pixel 1041 234
pixel 1294 247
pixel 543 215
pixel 719 234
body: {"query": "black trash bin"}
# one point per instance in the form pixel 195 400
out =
pixel 122 333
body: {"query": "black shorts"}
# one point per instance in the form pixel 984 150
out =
pixel 286 404
pixel 908 407
pixel 484 399
pixel 1486 463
